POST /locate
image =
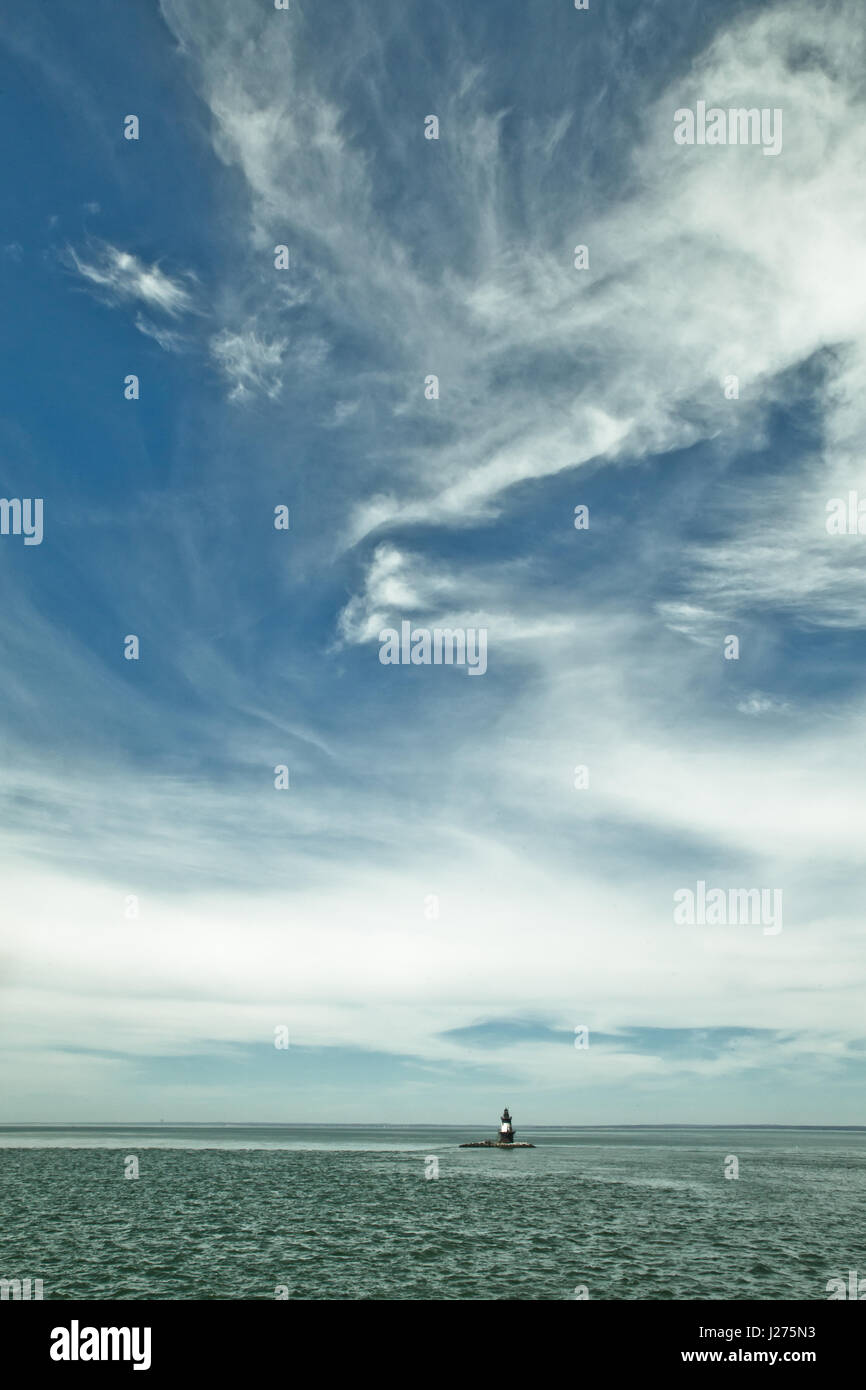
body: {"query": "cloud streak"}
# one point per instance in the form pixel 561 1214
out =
pixel 120 276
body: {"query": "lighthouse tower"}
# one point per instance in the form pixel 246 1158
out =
pixel 506 1128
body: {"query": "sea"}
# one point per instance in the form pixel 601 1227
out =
pixel 348 1212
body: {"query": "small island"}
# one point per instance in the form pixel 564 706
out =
pixel 506 1137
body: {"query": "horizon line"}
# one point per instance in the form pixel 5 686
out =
pixel 382 1124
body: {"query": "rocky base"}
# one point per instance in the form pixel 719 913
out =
pixel 494 1144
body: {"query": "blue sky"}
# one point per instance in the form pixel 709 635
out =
pixel 310 908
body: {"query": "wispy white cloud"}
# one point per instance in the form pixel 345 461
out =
pixel 252 365
pixel 758 703
pixel 618 362
pixel 168 339
pixel 343 412
pixel 120 275
pixel 400 584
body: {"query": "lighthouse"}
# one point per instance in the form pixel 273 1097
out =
pixel 504 1138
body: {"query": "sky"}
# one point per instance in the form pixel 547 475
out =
pixel 432 907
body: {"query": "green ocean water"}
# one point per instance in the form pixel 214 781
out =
pixel 346 1212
